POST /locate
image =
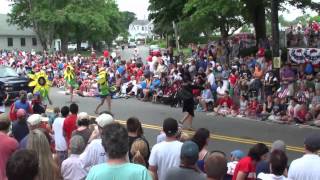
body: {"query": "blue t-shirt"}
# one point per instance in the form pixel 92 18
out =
pixel 20 105
pixel 127 171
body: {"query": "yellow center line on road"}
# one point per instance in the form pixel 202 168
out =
pixel 219 137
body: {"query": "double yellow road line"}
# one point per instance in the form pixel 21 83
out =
pixel 225 138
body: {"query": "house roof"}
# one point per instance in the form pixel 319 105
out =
pixel 140 22
pixel 7 29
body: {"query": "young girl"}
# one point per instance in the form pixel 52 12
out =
pixel 243 109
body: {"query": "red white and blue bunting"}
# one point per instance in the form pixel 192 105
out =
pixel 304 55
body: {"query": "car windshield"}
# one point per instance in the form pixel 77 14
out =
pixel 7 72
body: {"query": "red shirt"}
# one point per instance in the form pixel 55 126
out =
pixel 69 125
pixel 7 146
pixel 227 100
pixel 245 165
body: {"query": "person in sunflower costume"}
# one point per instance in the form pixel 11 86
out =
pixel 71 80
pixel 105 90
pixel 41 85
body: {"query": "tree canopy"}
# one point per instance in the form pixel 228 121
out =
pixel 76 20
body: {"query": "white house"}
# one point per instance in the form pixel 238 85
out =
pixel 141 29
pixel 13 38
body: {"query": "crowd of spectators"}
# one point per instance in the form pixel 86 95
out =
pixel 75 146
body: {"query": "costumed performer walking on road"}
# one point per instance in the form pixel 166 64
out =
pixel 71 80
pixel 105 90
pixel 41 84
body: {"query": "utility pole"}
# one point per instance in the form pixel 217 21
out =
pixel 176 35
pixel 275 27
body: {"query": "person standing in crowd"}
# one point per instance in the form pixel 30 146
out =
pixel 22 103
pixel 34 122
pixel 135 132
pixel 69 124
pixel 166 154
pixel 201 138
pixel 71 168
pixel 115 143
pixel 307 167
pixel 23 164
pixel 278 166
pixel 48 169
pixel 7 146
pixel 188 169
pixel 83 127
pixel 215 166
pixel 95 153
pixel 246 167
pixel 59 139
pixel 4 96
pixel 264 165
pixel 20 127
pixel 236 156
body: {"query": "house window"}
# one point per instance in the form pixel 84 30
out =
pixel 142 28
pixel 34 41
pixel 10 42
pixel 23 41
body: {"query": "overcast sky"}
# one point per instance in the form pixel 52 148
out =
pixel 140 8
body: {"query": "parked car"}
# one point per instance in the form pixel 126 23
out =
pixel 12 83
pixel 154 50
pixel 132 45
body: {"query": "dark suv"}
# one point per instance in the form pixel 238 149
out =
pixel 12 83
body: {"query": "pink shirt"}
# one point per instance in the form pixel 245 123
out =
pixel 7 146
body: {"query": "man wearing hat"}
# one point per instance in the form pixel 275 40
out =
pixel 187 169
pixel 166 154
pixel 94 153
pixel 308 166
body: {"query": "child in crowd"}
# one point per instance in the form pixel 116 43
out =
pixel 253 107
pixel 54 115
pixel 236 156
pixel 243 109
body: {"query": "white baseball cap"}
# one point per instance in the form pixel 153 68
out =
pixel 34 119
pixel 104 119
pixel 83 115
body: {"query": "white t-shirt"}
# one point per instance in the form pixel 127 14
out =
pixel 93 154
pixel 231 167
pixel 305 168
pixel 60 141
pixel 211 78
pixel 264 176
pixel 164 156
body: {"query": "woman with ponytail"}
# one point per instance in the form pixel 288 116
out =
pixel 140 154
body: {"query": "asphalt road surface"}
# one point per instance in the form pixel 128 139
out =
pixel 227 134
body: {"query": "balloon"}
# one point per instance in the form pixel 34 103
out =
pixel 105 53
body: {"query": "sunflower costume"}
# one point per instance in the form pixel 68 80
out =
pixel 40 83
pixel 104 88
pixel 69 76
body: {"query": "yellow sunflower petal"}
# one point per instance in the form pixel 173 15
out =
pixel 33 83
pixel 32 76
